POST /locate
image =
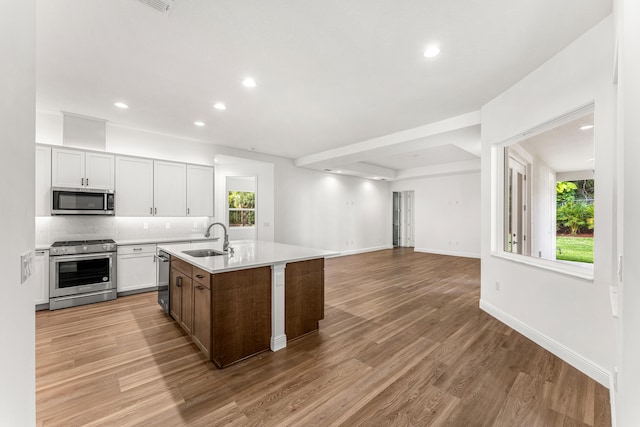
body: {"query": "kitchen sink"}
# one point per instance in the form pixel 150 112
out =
pixel 199 253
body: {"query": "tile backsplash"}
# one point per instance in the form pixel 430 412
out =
pixel 58 228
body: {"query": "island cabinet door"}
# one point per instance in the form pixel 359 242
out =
pixel 187 305
pixel 304 297
pixel 175 294
pixel 202 310
pixel 241 314
pixel 181 294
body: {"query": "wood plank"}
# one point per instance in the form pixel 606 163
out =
pixel 241 306
pixel 304 297
pixel 403 342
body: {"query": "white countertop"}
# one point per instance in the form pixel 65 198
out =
pixel 163 240
pixel 148 241
pixel 246 254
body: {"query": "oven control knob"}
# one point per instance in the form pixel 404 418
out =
pixel 106 247
pixel 54 250
pixel 84 248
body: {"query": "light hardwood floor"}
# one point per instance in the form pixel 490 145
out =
pixel 402 343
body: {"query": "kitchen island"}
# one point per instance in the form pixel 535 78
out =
pixel 254 298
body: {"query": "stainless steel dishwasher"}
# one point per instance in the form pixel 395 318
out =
pixel 164 263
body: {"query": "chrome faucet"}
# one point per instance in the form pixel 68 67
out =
pixel 225 245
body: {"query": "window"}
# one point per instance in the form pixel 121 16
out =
pixel 242 208
pixel 546 207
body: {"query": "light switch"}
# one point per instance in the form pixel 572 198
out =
pixel 26 266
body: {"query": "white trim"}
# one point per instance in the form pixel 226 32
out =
pixel 362 251
pixel 612 400
pixel 563 267
pixel 278 343
pixel 278 336
pixel 450 253
pixel 574 359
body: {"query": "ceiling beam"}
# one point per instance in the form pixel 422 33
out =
pixel 353 151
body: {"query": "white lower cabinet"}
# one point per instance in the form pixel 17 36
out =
pixel 42 277
pixel 136 267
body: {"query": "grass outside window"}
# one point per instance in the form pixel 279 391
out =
pixel 571 248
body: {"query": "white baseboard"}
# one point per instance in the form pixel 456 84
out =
pixel 278 343
pixel 574 359
pixel 362 251
pixel 450 253
pixel 612 401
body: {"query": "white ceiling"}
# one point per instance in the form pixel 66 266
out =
pixel 566 148
pixel 330 75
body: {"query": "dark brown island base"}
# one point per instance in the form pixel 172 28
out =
pixel 232 311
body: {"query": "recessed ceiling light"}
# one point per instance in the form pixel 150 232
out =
pixel 249 82
pixel 338 171
pixel 219 106
pixel 586 127
pixel 199 123
pixel 431 51
pixel 251 148
pixel 121 105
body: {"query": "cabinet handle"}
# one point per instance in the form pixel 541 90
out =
pixel 81 181
pixel 199 287
pixel 188 211
pixel 137 249
pixel 150 211
pixel 156 211
pixel 87 182
pixel 199 276
pixel 179 282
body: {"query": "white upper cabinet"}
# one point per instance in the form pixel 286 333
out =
pixel 169 189
pixel 43 181
pixel 199 190
pixel 134 186
pixel 99 171
pixel 80 169
pixel 67 168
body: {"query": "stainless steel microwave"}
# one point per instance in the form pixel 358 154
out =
pixel 82 201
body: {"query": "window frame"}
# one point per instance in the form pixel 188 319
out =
pixel 499 167
pixel 230 209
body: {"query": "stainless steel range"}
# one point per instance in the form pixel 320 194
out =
pixel 81 272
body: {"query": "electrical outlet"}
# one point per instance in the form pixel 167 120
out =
pixel 26 266
pixel 145 225
pixel 497 285
pixel 195 225
pixel 167 225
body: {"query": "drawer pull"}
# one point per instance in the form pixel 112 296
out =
pixel 179 282
pixel 199 276
pixel 199 287
pixel 137 249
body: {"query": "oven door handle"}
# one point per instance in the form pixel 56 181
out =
pixel 80 257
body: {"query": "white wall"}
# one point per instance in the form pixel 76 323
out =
pixel 543 232
pixel 17 105
pixel 628 397
pixel 447 213
pixel 295 206
pixel 329 211
pixel 569 316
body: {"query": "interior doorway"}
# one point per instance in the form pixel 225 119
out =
pixel 403 218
